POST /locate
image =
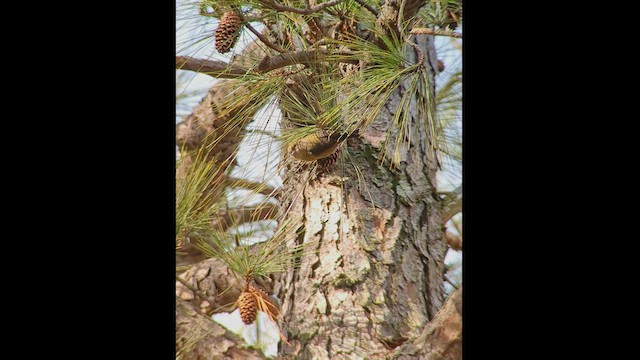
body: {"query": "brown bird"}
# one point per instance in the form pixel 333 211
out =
pixel 316 146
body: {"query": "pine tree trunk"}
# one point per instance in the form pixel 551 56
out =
pixel 373 277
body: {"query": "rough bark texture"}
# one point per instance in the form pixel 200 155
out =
pixel 214 283
pixel 373 277
pixel 442 337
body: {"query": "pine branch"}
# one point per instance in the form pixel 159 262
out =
pixel 219 69
pixel 261 132
pixel 428 31
pixel 264 39
pixel 300 57
pixel 251 185
pixel 314 9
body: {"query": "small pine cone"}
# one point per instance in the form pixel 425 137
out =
pixel 228 31
pixel 440 66
pixel 248 307
pixel 326 163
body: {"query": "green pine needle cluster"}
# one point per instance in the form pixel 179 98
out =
pixel 258 260
pixel 195 205
pixel 441 13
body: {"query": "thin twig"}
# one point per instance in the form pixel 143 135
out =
pixel 215 68
pixel 311 10
pixel 264 39
pixel 368 7
pixel 428 31
pixel 261 132
pixel 251 185
pixel 446 278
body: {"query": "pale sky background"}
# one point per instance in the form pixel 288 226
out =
pixel 258 156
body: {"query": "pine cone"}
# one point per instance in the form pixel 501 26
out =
pixel 228 31
pixel 248 307
pixel 327 162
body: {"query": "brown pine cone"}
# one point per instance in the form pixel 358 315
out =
pixel 248 307
pixel 228 31
pixel 327 162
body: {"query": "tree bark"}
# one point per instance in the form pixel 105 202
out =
pixel 213 283
pixel 199 338
pixel 373 277
pixel 442 337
